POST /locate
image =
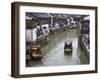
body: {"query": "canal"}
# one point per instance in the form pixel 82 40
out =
pixel 53 51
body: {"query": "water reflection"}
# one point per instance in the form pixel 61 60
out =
pixel 53 52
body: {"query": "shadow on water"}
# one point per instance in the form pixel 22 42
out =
pixel 83 60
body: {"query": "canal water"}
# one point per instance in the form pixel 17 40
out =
pixel 53 51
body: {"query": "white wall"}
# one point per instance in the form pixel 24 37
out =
pixel 5 41
pixel 28 35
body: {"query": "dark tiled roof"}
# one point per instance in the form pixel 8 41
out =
pixel 49 15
